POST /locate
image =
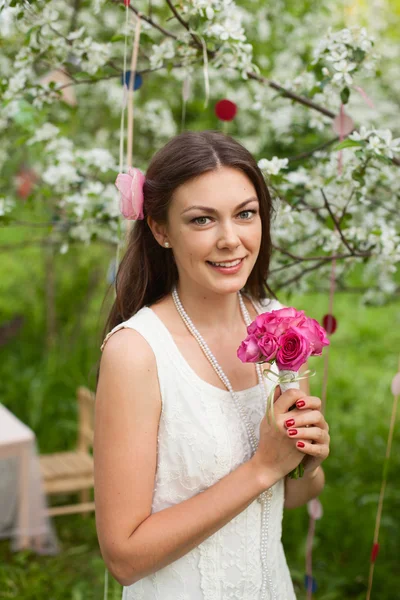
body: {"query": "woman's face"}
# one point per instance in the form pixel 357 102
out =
pixel 215 218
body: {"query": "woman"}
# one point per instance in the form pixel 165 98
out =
pixel 179 459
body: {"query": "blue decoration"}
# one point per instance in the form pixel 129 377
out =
pixel 137 82
pixel 314 586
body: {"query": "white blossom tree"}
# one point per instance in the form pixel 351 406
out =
pixel 317 96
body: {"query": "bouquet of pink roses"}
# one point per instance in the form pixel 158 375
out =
pixel 287 337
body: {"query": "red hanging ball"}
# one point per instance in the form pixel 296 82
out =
pixel 225 110
pixel 374 552
pixel 127 2
pixel 329 323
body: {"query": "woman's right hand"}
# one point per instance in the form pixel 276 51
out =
pixel 277 452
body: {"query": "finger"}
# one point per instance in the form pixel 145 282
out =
pixel 312 402
pixel 312 434
pixel 297 418
pixel 277 393
pixel 318 450
pixel 287 399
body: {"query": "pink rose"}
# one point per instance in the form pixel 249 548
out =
pixel 268 345
pixel 294 350
pixel 248 350
pixel 276 322
pixel 315 334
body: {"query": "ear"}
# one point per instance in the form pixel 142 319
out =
pixel 158 230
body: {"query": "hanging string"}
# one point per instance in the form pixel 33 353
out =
pixel 185 97
pixel 310 582
pixel 205 71
pixel 122 129
pixel 326 357
pixel 130 90
pixel 375 545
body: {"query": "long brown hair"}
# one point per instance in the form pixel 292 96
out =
pixel 148 272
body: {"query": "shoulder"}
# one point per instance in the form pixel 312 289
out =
pixel 267 304
pixel 125 350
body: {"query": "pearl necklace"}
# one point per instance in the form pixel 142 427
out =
pixel 265 497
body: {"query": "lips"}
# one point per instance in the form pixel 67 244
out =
pixel 226 263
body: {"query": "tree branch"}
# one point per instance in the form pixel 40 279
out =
pixel 320 258
pixel 308 153
pixel 148 20
pixel 185 25
pixel 337 226
pixel 292 95
pixel 300 275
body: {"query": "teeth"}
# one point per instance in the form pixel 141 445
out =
pixel 227 264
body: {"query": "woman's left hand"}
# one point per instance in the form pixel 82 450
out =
pixel 310 430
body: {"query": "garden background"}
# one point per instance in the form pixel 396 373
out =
pixel 60 229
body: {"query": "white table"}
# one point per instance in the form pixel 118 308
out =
pixel 23 509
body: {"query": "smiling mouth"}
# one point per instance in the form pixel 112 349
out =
pixel 226 263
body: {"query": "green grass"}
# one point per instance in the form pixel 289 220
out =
pixel 38 385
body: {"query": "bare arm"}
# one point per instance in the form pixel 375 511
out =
pixel 134 542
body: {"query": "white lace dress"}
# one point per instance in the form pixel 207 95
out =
pixel 201 439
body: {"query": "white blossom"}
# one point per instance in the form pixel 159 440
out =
pixel 44 133
pixel 273 166
pixel 6 206
pixel 343 70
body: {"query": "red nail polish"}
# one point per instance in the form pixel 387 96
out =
pixel 300 403
pixel 292 432
pixel 289 423
pixel 300 444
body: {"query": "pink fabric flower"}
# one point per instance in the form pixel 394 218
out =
pixel 294 350
pixel 268 345
pixel 130 186
pixel 248 350
pixel 315 334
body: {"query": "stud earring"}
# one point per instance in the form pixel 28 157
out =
pixel 166 244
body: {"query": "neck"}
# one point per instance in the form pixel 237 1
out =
pixel 211 311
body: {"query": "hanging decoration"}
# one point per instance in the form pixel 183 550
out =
pixel 315 512
pixel 395 388
pixel 225 111
pixel 137 82
pixel 186 92
pixel 329 323
pixel 314 507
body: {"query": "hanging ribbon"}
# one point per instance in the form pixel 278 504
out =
pixel 310 582
pixel 365 96
pixel 186 89
pixel 375 545
pixel 205 71
pixel 130 90
pixel 315 512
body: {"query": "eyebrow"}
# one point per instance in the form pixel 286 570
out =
pixel 213 211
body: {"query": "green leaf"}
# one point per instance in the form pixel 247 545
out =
pixel 26 116
pixel 358 55
pixel 348 144
pixel 344 95
pixel 118 37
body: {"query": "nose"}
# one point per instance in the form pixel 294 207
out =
pixel 228 237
